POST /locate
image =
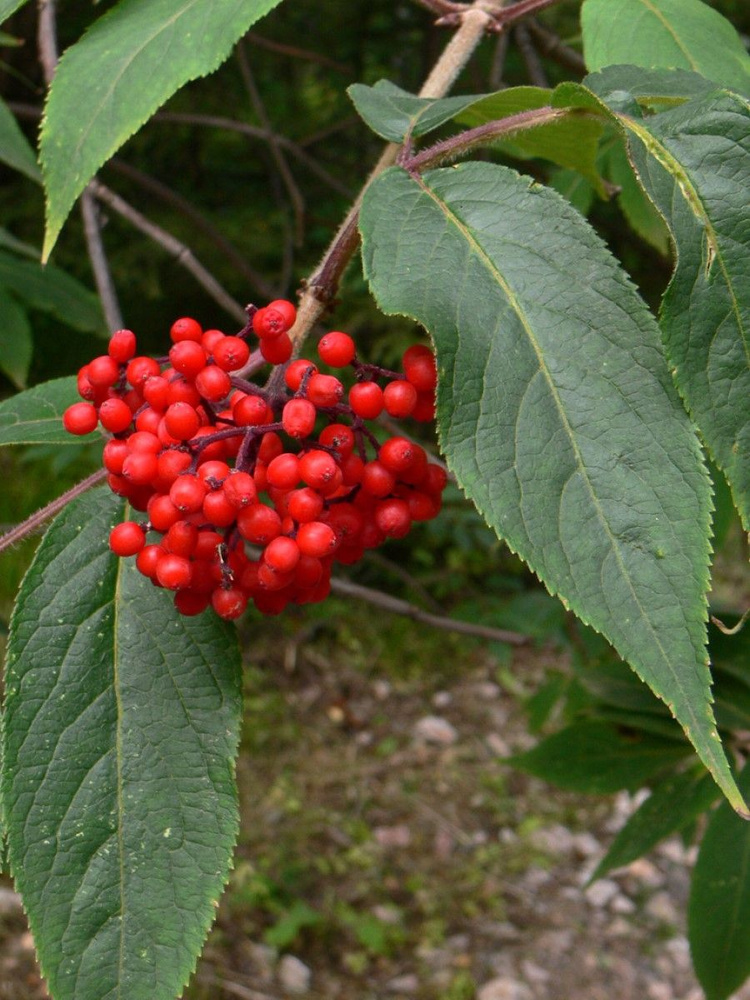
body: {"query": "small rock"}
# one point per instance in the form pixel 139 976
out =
pixel 679 950
pixel 674 850
pixel 408 983
pixel 645 871
pixel 436 730
pixel 504 989
pixel 619 928
pixel 661 907
pixel 556 839
pixel 659 991
pixel 444 844
pixel 502 931
pixel 497 745
pixel 534 973
pixel 602 892
pixel 381 690
pixel 535 878
pixel 555 942
pixel 441 699
pixel 10 903
pixel 622 904
pixel 386 914
pixel 262 959
pixel 393 836
pixel 294 975
pixel 586 845
pixel 487 690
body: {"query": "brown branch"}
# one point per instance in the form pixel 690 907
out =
pixel 399 607
pixel 37 520
pixel 199 220
pixel 551 45
pixel 297 53
pixel 530 56
pixel 182 254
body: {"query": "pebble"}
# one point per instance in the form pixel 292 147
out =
pixel 622 904
pixel 497 745
pixel 504 989
pixel 661 907
pixel 441 699
pixel 555 839
pixel 436 730
pixel 393 836
pixel 294 975
pixel 602 892
pixel 408 983
pixel 586 845
pixel 659 991
pixel 645 871
pixel 10 903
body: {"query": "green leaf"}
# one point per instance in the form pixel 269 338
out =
pixel 719 908
pixel 52 290
pixel 15 340
pixel 571 142
pixel 393 113
pixel 673 34
pixel 557 414
pixel 654 90
pixel 15 152
pixel 636 207
pixel 593 757
pixel 121 726
pixel 35 416
pixel 111 81
pixel 574 188
pixel 8 7
pixel 671 805
pixel 694 163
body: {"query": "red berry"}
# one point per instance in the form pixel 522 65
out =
pixel 162 513
pixel 213 383
pixel 316 539
pixel 114 454
pixel 115 415
pixel 400 398
pixel 298 418
pixel 259 524
pixel 324 390
pixel 296 372
pixel 144 441
pixel 122 346
pixel 170 464
pixel 187 493
pixel 270 447
pixel 240 490
pixel 188 358
pixel 173 572
pixel 278 350
pixel 366 399
pixel 420 368
pixel 337 349
pixel 185 329
pixel 393 518
pixel 282 554
pixel 377 480
pixel 140 467
pixel 181 538
pixel 80 418
pixel 230 353
pixel 276 318
pixel 141 368
pixel 317 468
pixel 182 421
pixel 250 411
pixel 397 454
pixel 217 509
pixel 283 471
pixel 305 505
pixel 188 602
pixel 147 560
pixel 229 603
pixel 339 437
pixel 103 371
pixel 127 539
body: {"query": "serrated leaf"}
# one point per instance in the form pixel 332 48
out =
pixel 15 152
pixel 571 142
pixel 111 81
pixel 35 416
pixel 593 757
pixel 15 340
pixel 673 34
pixel 557 414
pixel 52 290
pixel 8 7
pixel 653 90
pixel 719 907
pixel 121 727
pixel 636 207
pixel 673 804
pixel 574 188
pixel 393 113
pixel 694 163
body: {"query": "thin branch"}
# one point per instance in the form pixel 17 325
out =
pixel 530 56
pixel 231 124
pixel 399 607
pixel 495 77
pixel 182 254
pixel 99 265
pixel 328 130
pixel 199 220
pixel 295 195
pixel 297 53
pixel 550 44
pixel 37 520
pixel 509 15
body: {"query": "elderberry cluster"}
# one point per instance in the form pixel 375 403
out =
pixel 254 491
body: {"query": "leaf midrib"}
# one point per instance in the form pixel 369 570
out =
pixel 670 30
pixel 490 266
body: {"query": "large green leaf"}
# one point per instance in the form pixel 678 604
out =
pixel 593 757
pixel 556 412
pixel 15 151
pixel 694 163
pixel 672 805
pixel 635 205
pixel 121 727
pixel 719 908
pixel 7 7
pixel 125 67
pixel 35 416
pixel 679 34
pixel 15 340
pixel 653 90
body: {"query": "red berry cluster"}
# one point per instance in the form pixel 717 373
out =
pixel 217 462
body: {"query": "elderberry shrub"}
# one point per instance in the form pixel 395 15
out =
pixel 251 494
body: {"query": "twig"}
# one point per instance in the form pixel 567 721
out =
pixel 392 567
pixel 498 61
pixel 218 121
pixel 322 286
pixel 399 607
pixel 98 258
pixel 530 56
pixel 737 627
pixel 183 254
pixel 297 53
pixel 199 220
pixel 550 44
pixel 295 195
pixel 328 130
pixel 33 523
